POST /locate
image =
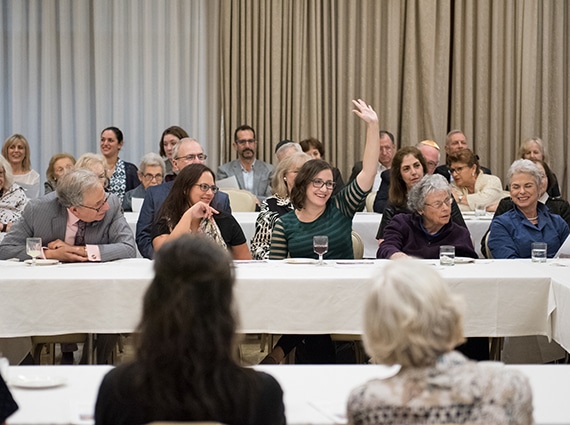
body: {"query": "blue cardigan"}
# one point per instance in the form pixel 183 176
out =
pixel 511 234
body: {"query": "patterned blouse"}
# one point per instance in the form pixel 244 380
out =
pixel 12 203
pixel 118 181
pixel 271 209
pixel 454 391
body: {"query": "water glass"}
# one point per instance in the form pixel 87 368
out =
pixel 34 248
pixel 538 252
pixel 480 210
pixel 320 247
pixel 447 255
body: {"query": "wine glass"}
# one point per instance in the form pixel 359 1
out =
pixel 34 248
pixel 320 246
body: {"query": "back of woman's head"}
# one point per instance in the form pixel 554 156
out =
pixel 410 316
pixel 290 163
pixel 187 309
pixel 398 192
pixel 305 176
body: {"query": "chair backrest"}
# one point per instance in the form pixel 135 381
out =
pixel 241 200
pixel 487 252
pixel 357 245
pixel 370 201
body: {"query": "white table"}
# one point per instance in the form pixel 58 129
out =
pixel 312 394
pixel 503 297
pixel 364 223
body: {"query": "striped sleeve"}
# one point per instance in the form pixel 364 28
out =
pixel 350 199
pixel 279 248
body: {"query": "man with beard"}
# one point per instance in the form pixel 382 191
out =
pixel 251 174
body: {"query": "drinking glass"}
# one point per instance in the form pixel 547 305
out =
pixel 320 246
pixel 447 255
pixel 480 210
pixel 538 252
pixel 34 248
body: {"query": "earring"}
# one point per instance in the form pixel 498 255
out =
pixel 285 178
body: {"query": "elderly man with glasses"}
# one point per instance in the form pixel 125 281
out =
pixel 187 151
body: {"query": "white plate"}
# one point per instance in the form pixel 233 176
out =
pixel 42 262
pixel 36 381
pixel 464 260
pixel 300 261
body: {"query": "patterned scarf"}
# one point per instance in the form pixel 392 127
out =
pixel 210 228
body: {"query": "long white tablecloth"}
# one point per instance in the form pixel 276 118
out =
pixel 364 223
pixel 312 394
pixel 503 297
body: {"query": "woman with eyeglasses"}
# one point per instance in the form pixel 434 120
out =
pixel 317 212
pixel 421 233
pixel 187 210
pixel 471 186
pixel 151 172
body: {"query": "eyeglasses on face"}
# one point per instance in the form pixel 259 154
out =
pixel 319 183
pixel 205 187
pixel 439 204
pixel 151 177
pixel 456 169
pixel 431 164
pixel 242 142
pixel 98 208
pixel 192 157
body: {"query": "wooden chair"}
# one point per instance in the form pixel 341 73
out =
pixel 370 201
pixel 241 200
pixel 357 246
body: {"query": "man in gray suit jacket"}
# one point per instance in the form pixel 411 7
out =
pixel 79 202
pixel 251 174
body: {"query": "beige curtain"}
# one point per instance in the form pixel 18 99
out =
pixel 495 69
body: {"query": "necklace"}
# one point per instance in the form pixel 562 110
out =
pixel 532 218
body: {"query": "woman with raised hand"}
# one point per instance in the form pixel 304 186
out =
pixel 185 367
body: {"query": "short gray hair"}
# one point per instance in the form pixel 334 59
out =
pixel 410 316
pixel 8 176
pixel 289 145
pixel 428 184
pixel 152 159
pixel 525 166
pixel 71 186
pixel 176 147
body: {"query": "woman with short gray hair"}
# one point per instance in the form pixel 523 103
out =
pixel 151 172
pixel 421 233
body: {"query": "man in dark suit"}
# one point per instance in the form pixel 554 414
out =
pixel 251 174
pixel 454 142
pixel 187 151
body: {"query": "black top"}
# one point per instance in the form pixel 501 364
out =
pixel 119 403
pixel 228 225
pixel 7 403
pixel 381 200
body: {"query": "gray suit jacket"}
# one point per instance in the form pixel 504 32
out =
pixel 46 218
pixel 262 174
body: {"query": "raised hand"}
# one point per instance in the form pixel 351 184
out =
pixel 364 111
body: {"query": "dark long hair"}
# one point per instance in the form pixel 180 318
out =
pixel 187 343
pixel 178 199
pixel 307 173
pixel 175 131
pixel 398 192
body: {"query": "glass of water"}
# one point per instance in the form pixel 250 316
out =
pixel 320 247
pixel 34 248
pixel 447 255
pixel 538 252
pixel 480 210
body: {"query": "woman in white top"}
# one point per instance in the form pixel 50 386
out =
pixel 16 150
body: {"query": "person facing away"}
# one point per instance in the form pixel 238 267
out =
pixel 251 174
pixel 411 319
pixel 185 368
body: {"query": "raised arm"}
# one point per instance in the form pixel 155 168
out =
pixel 365 178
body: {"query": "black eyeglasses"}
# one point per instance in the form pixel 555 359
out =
pixel 244 141
pixel 204 187
pixel 319 183
pixel 192 157
pixel 151 177
pixel 100 207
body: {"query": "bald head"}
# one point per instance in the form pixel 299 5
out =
pixel 187 151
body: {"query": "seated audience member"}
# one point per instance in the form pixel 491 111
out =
pixel 534 149
pixel 470 185
pixel 430 152
pixel 122 175
pixel 187 151
pixel 16 150
pixel 285 148
pixel 454 142
pixel 555 205
pixel 12 198
pixel 317 212
pixel 7 403
pixel 408 168
pixel 59 164
pixel 251 174
pixel 316 150
pixel 170 137
pixel 421 233
pixel 189 372
pixel 77 223
pixel 385 155
pixel 412 319
pixel 512 233
pixel 95 163
pixel 151 172
pixel 277 204
pixel 187 209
